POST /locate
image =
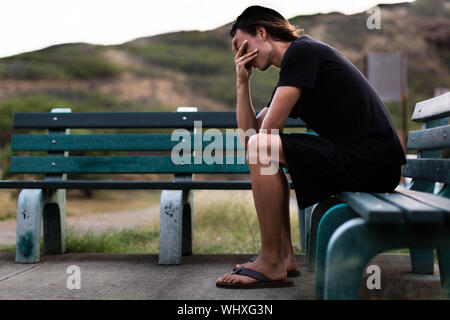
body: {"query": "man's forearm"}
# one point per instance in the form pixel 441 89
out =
pixel 245 113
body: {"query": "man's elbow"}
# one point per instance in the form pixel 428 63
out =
pixel 272 128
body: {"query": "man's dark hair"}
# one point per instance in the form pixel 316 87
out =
pixel 275 24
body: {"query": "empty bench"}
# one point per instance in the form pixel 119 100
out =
pixel 45 200
pixel 347 230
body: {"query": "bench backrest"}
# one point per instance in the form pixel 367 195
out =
pixel 428 168
pixel 431 141
pixel 58 142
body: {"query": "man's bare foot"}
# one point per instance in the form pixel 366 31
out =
pixel 275 272
pixel 289 262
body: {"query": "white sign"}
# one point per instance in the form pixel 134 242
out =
pixel 386 72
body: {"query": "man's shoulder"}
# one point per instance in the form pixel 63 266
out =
pixel 305 45
pixel 298 49
pixel 307 40
pixel 304 41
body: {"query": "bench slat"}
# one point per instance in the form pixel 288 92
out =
pixel 210 119
pixel 371 208
pixel 438 107
pixel 429 139
pixel 128 185
pixel 112 142
pixel 428 169
pixel 428 198
pixel 416 211
pixel 122 164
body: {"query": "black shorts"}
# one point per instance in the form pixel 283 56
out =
pixel 319 169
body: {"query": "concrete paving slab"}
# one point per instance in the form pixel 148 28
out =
pixel 9 269
pixel 138 276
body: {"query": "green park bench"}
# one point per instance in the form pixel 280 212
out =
pixel 345 231
pixel 409 218
pixel 45 199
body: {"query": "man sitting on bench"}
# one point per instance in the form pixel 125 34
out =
pixel 357 148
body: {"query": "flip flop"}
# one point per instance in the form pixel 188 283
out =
pixel 290 274
pixel 264 281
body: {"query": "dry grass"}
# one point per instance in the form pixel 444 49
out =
pixel 8 204
pixel 77 204
pixel 224 222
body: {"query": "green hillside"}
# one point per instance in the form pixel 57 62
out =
pixel 196 68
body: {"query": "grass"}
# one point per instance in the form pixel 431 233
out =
pixel 8 205
pixel 201 60
pixel 110 241
pixel 67 61
pixel 224 222
pixel 227 223
pixel 78 205
pixel 76 100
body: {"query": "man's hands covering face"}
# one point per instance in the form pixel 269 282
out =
pixel 243 60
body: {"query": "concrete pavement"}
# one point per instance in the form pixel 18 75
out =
pixel 138 276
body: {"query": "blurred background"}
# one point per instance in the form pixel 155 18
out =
pixel 160 60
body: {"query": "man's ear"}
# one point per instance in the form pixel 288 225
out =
pixel 261 31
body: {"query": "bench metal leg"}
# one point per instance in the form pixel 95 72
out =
pixel 30 207
pixel 175 235
pixel 444 271
pixel 54 214
pixel 187 233
pixel 308 212
pixel 332 219
pixel 304 217
pixel 422 261
pixel 347 254
pixel 315 217
pixel 346 258
pixel 443 256
pixel 54 218
pixel 302 227
pixel 33 207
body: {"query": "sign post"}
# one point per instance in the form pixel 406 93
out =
pixel 386 72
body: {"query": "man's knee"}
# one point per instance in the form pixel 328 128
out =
pixel 252 145
pixel 257 149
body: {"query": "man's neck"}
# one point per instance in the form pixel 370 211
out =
pixel 279 48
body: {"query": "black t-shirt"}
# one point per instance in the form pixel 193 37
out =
pixel 338 102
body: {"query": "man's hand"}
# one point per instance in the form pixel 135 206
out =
pixel 243 61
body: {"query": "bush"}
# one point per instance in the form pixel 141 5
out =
pixel 36 103
pixel 190 59
pixel 68 61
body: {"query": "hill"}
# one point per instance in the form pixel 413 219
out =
pixel 196 68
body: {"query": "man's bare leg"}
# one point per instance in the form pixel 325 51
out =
pixel 287 251
pixel 271 198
